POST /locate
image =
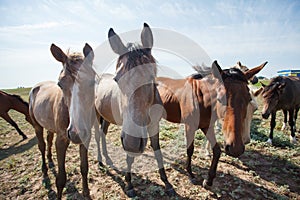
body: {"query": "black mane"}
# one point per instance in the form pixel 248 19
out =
pixel 235 74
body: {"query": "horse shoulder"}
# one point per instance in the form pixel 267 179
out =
pixel 189 101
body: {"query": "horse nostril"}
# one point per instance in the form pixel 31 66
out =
pixel 68 133
pixel 265 115
pixel 227 147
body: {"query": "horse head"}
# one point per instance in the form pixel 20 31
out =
pixel 233 98
pixel 75 80
pixel 135 76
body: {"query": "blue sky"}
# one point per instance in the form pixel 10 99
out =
pixel 229 31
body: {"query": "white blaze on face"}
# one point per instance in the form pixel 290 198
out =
pixel 74 108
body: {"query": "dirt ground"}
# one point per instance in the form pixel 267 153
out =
pixel 262 172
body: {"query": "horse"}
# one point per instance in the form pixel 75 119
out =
pixel 15 102
pixel 282 93
pixel 198 103
pixel 129 98
pixel 49 108
pixel 252 107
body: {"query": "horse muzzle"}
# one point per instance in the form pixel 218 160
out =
pixel 134 146
pixel 234 150
pixel 73 135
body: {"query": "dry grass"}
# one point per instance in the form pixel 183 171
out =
pixel 262 172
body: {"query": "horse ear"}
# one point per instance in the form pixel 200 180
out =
pixel 239 63
pixel 147 37
pixel 216 70
pixel 116 43
pixel 250 73
pixel 88 52
pixel 58 54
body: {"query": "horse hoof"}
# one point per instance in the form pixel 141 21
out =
pixel 171 192
pixel 100 164
pixel 206 184
pixel 293 140
pixel 269 141
pixel 193 181
pixel 51 164
pixel 86 195
pixel 131 193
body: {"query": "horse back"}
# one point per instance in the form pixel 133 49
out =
pixel 47 108
pixel 290 97
pixel 108 99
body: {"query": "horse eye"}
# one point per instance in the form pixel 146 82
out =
pixel 60 85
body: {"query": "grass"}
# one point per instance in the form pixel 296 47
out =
pixel 262 172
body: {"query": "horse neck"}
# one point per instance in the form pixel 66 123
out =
pixel 18 105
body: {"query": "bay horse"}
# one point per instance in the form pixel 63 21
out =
pixel 15 102
pixel 129 98
pixel 282 93
pixel 48 108
pixel 252 106
pixel 199 102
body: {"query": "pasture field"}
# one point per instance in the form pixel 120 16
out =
pixel 262 172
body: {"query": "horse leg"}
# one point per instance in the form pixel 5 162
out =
pixel 49 152
pixel 210 135
pixel 292 123
pixel 42 147
pixel 97 139
pixel 272 125
pixel 61 145
pixel 284 120
pixel 104 126
pixel 158 156
pixel 295 117
pixel 129 188
pixel 84 169
pixel 7 118
pixel 190 135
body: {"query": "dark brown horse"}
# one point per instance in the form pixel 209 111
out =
pixel 15 102
pixel 48 108
pixel 198 103
pixel 282 94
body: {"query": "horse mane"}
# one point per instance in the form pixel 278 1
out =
pixel 137 55
pixel 235 74
pixel 19 98
pixel 74 57
pixel 202 71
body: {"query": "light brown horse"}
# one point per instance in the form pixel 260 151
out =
pixel 198 103
pixel 48 108
pixel 282 93
pixel 15 102
pixel 130 98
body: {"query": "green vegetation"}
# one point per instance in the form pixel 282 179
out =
pixel 262 172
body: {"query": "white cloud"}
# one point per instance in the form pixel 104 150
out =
pixel 30 27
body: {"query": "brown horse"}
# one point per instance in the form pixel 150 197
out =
pixel 252 107
pixel 15 102
pixel 48 108
pixel 130 98
pixel 198 103
pixel 281 94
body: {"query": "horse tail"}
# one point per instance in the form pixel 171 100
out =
pixel 32 96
